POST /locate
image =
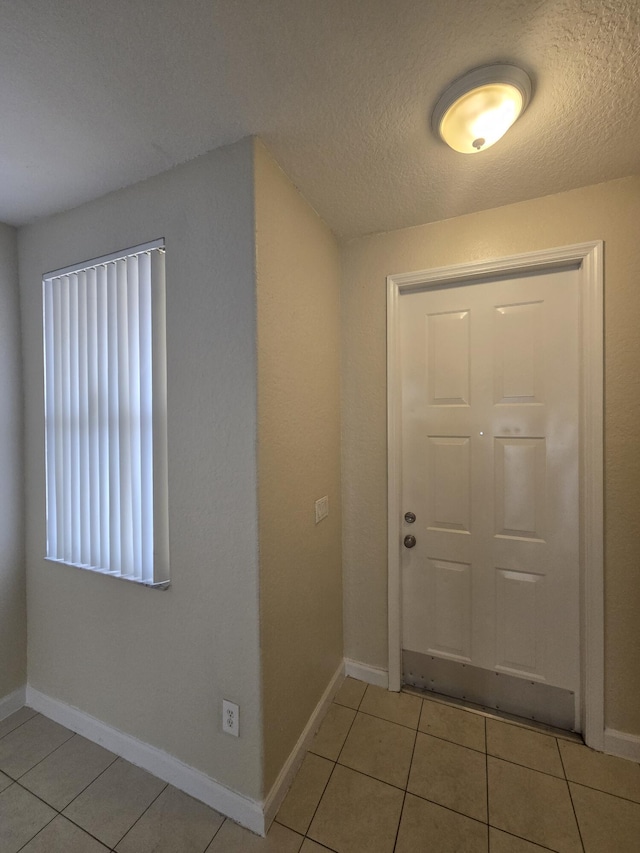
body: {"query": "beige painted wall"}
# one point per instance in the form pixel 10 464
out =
pixel 608 211
pixel 298 299
pixel 13 616
pixel 157 664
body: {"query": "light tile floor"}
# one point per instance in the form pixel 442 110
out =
pixel 386 773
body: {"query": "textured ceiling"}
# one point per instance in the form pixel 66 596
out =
pixel 98 94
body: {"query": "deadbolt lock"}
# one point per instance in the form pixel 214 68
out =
pixel 409 517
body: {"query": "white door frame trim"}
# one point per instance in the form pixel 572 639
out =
pixel 588 258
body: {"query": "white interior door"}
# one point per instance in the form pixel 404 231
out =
pixel 490 382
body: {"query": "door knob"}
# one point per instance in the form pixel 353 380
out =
pixel 409 541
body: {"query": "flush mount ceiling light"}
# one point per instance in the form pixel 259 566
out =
pixel 479 108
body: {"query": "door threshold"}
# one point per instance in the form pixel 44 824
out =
pixel 493 714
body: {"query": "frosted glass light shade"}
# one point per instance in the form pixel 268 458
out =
pixel 478 109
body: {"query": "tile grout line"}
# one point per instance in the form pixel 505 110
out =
pixel 417 731
pixel 450 809
pixel 501 829
pixel 525 766
pixel 211 840
pixel 489 714
pixel 403 726
pixel 486 776
pixel 573 807
pixel 68 740
pixel 326 785
pixel 60 813
pixel 558 741
pixel 369 776
pixel 324 789
pixel 335 764
pixel 569 737
pixel 606 793
pixel 406 787
pixel 166 785
pixel 37 796
pixel 522 838
pixel 44 757
pixel 398 788
pixel 383 719
pixel 378 717
pixel 489 824
pixel 57 814
pixel 88 785
pixel 48 755
pixel 222 823
pixel 35 714
pixel 404 800
pixel 344 742
pixel 454 742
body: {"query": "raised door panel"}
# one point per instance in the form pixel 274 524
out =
pixel 448 358
pixel 444 626
pixel 448 483
pixel 519 611
pixel 518 364
pixel 520 487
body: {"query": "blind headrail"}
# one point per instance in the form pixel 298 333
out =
pixel 105 259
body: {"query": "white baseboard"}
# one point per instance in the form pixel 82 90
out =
pixel 280 787
pixel 13 702
pixel 249 813
pixel 622 744
pixel 241 809
pixel 364 672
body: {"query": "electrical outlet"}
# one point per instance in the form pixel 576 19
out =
pixel 322 508
pixel 230 718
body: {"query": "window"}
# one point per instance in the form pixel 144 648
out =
pixel 105 415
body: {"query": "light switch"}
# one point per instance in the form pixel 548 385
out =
pixel 322 508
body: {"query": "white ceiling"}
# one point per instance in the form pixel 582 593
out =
pixel 98 94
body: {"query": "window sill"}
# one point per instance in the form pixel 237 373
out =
pixel 163 585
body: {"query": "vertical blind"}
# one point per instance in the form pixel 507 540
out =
pixel 105 415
